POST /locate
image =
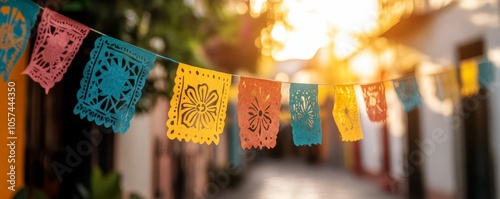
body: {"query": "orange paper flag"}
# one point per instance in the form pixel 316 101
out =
pixel 374 96
pixel 259 103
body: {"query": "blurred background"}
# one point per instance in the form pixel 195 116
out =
pixel 444 149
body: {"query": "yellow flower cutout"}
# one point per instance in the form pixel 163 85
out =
pixel 199 104
pixel 345 113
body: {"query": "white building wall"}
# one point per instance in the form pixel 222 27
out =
pixel 438 39
pixel 491 14
pixel 439 165
pixel 396 124
pixel 134 157
pixel 371 144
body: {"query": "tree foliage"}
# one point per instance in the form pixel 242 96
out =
pixel 173 28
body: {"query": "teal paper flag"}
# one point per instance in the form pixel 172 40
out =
pixel 112 83
pixel 408 93
pixel 304 109
pixel 486 73
pixel 17 18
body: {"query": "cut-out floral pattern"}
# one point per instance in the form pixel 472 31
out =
pixel 304 109
pixel 408 93
pixel 201 108
pixel 199 104
pixel 17 18
pixel 259 103
pixel 346 115
pixel 376 106
pixel 57 42
pixel 112 83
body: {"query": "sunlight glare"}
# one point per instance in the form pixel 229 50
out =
pixel 494 56
pixel 279 32
pixel 353 16
pixel 364 64
pixel 282 77
pixel 301 44
pixel 474 4
pixel 344 45
pixel 302 76
pixel 241 8
pixel 257 7
pixel 484 19
pixel 437 4
pixel 312 23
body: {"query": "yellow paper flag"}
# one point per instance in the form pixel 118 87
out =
pixel 469 75
pixel 198 106
pixel 345 113
pixel 449 86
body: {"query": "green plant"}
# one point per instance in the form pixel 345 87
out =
pixel 176 29
pixel 23 194
pixel 105 186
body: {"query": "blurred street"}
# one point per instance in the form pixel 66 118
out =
pixel 294 179
pixel 250 99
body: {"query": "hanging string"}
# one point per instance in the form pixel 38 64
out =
pixel 353 84
pixel 100 33
pixel 167 58
pixel 288 82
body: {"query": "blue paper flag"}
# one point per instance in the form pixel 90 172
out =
pixel 408 93
pixel 304 109
pixel 112 83
pixel 486 73
pixel 17 18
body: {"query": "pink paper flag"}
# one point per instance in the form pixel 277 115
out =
pixel 57 42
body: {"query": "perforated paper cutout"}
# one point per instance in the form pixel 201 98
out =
pixel 305 113
pixel 17 18
pixel 376 106
pixel 448 87
pixel 408 93
pixel 259 103
pixel 486 73
pixel 346 115
pixel 199 104
pixel 57 42
pixel 469 74
pixel 112 83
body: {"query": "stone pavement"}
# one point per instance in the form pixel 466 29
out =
pixel 285 179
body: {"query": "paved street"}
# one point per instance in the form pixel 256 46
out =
pixel 297 180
